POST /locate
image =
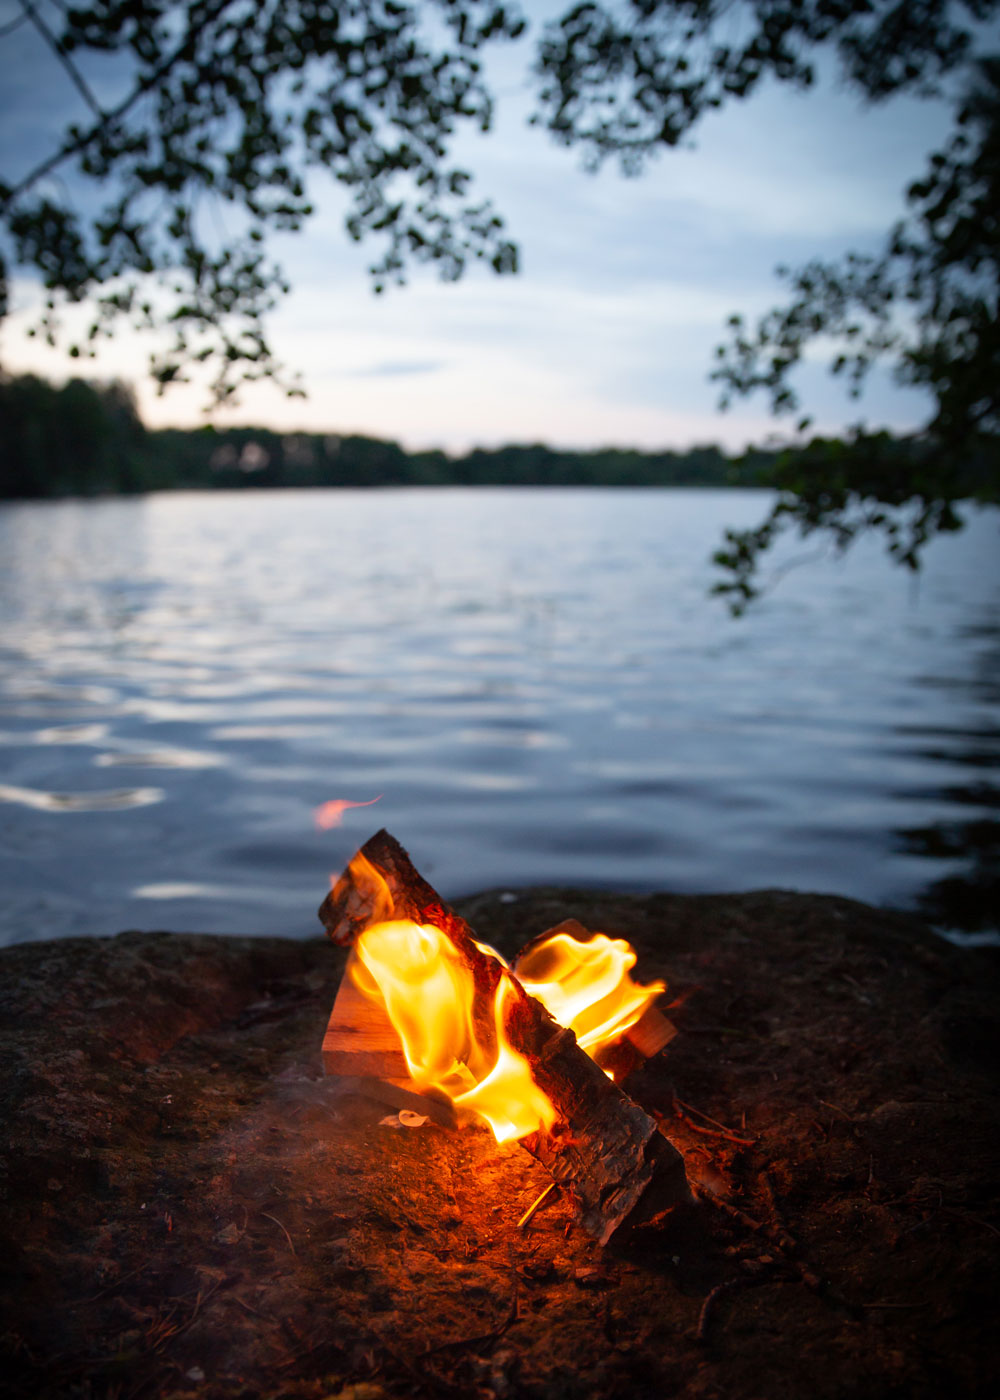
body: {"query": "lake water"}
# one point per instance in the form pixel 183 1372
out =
pixel 535 681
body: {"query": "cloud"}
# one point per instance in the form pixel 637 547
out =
pixel 393 369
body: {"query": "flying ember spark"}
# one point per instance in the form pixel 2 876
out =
pixel 329 814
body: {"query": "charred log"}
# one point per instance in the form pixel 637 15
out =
pixel 607 1154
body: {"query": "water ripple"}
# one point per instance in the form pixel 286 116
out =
pixel 538 682
pixel 159 758
pixel 72 734
pixel 117 801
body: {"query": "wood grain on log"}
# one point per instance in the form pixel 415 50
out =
pixel 361 1047
pixel 609 1156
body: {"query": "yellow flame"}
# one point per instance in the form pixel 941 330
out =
pixel 587 986
pixel 508 1098
pixel 363 891
pixel 429 995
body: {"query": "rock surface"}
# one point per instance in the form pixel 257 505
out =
pixel 190 1209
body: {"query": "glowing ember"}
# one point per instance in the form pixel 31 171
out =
pixel 330 814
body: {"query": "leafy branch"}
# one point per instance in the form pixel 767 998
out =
pixel 232 103
pixel 930 304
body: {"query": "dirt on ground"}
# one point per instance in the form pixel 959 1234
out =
pixel 190 1209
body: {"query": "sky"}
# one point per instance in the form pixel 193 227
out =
pixel 606 335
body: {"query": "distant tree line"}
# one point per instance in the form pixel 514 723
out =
pixel 85 439
pixel 78 439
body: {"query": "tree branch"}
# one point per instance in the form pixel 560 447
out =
pixel 145 85
pixel 11 25
pixel 76 77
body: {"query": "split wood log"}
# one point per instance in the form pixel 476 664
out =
pixel 361 1048
pixel 608 1155
pixel 650 1034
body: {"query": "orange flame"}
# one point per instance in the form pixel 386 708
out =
pixel 364 890
pixel 330 814
pixel 508 1098
pixel 587 986
pixel 429 995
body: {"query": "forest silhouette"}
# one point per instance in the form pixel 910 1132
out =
pixel 86 439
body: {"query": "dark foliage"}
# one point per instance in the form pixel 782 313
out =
pixel 623 80
pixel 234 103
pixel 81 439
pixel 87 439
pixel 930 305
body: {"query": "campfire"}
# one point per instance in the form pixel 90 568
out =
pixel 429 1019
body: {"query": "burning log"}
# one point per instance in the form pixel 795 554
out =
pixel 606 1153
pixel 361 1047
pixel 642 1040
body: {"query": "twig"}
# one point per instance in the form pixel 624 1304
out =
pixel 316 1351
pixel 732 1211
pixel 699 1113
pixel 843 1113
pixel 12 24
pixel 708 1306
pixel 58 48
pixel 281 1228
pixel 493 1336
pixel 772 1204
pixel 123 1278
pixel 683 1110
pixel 201 1299
pixel 144 85
pixel 536 1205
pixel 161 1330
pixel 237 1299
pixel 780 1237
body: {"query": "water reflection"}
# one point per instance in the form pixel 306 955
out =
pixel 965 897
pixel 967 901
pixel 120 800
pixel 537 682
pixel 159 758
